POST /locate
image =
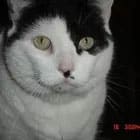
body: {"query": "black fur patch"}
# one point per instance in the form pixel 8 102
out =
pixel 82 18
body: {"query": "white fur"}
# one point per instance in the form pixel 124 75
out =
pixel 74 112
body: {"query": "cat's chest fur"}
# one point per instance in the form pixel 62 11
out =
pixel 76 120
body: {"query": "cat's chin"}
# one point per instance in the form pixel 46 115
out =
pixel 63 88
pixel 67 86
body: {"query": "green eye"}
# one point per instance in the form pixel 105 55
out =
pixel 42 42
pixel 86 43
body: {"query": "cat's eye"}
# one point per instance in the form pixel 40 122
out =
pixel 42 42
pixel 86 43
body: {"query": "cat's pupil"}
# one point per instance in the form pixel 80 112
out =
pixel 86 40
pixel 41 40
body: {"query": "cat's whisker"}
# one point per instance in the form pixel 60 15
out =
pixel 119 85
pixel 112 106
pixel 115 91
pixel 112 103
pixel 36 91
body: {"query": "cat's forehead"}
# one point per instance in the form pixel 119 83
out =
pixel 50 26
pixel 74 11
pixel 77 19
pixel 79 16
pixel 53 28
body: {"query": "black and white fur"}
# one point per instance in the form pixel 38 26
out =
pixel 36 100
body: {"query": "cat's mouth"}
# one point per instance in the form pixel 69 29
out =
pixel 62 87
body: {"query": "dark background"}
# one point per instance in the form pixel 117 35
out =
pixel 122 79
pixel 123 90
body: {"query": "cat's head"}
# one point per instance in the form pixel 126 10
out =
pixel 58 46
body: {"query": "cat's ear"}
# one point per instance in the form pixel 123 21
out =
pixel 16 7
pixel 105 6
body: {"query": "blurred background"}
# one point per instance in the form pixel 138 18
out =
pixel 122 107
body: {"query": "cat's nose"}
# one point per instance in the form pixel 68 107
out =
pixel 66 67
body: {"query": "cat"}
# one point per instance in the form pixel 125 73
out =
pixel 54 60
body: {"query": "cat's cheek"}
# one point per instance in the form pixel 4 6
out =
pixel 103 63
pixel 84 68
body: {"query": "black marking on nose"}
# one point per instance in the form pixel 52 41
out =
pixel 66 74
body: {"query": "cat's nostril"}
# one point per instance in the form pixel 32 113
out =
pixel 66 74
pixel 66 66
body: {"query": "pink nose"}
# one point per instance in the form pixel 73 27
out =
pixel 66 66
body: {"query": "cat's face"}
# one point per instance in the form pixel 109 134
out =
pixel 55 49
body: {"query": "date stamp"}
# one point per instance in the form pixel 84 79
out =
pixel 126 127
